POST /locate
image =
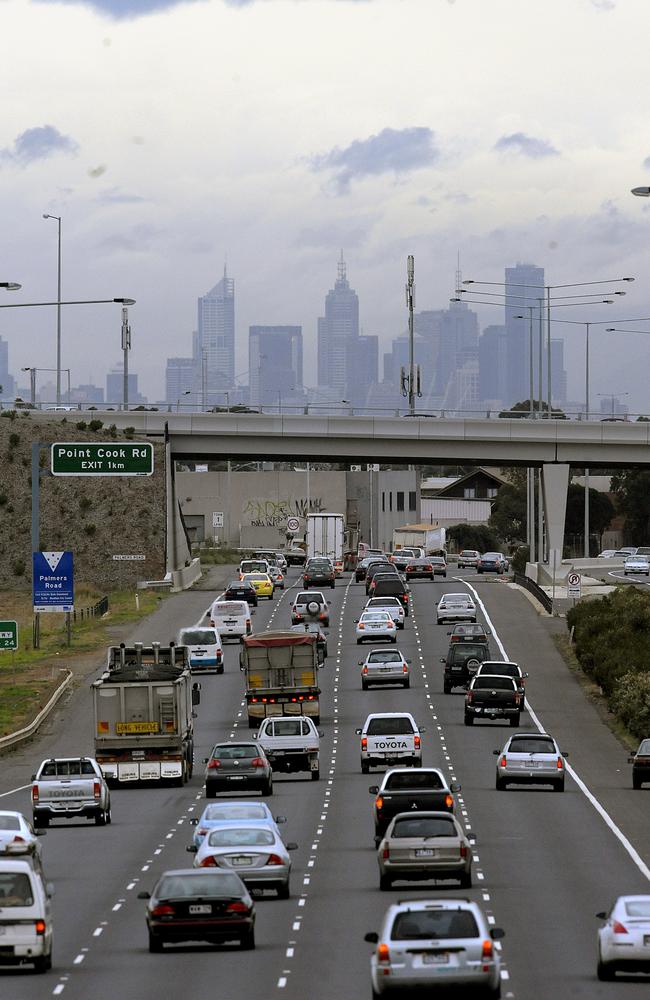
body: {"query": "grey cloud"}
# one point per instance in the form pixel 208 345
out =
pixel 335 233
pixel 139 239
pixel 38 144
pixel 123 9
pixel 113 196
pixel 395 151
pixel 527 145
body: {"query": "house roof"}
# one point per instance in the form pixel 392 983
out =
pixel 467 478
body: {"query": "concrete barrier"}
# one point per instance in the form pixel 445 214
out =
pixel 187 575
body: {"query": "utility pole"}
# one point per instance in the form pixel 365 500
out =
pixel 410 383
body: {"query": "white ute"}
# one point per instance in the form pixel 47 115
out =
pixel 389 738
pixel 291 744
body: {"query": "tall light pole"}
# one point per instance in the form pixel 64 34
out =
pixel 410 301
pixel 57 219
pixel 126 347
pixel 530 472
pixel 32 380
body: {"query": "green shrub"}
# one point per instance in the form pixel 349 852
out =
pixel 520 558
pixel 112 430
pixel 18 567
pixel 90 529
pixel 3 499
pixel 85 503
pixel 631 702
pixel 612 635
pixel 9 414
pixel 129 432
pixel 95 425
pixel 14 440
pixel 81 425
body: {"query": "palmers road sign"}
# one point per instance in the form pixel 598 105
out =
pixel 70 458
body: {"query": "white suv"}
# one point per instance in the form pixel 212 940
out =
pixel 425 941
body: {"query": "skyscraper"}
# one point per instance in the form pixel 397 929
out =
pixel 524 287
pixel 274 363
pixel 180 376
pixel 492 367
pixel 338 335
pixel 7 384
pixel 215 342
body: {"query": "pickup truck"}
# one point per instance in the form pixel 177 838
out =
pixel 69 788
pixel 390 738
pixel 405 790
pixel 492 697
pixel 291 744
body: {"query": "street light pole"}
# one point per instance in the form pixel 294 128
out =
pixel 126 347
pixel 410 292
pixel 57 218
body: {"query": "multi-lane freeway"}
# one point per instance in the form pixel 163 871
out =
pixel 545 863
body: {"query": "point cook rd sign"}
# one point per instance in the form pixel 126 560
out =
pixel 69 458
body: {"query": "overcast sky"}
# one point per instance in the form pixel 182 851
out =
pixel 169 135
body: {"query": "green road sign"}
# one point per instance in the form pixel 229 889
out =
pixel 8 635
pixel 80 458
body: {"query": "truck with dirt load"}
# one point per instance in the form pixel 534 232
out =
pixel 143 707
pixel 280 675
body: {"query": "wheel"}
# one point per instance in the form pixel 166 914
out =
pixel 210 792
pixel 100 818
pixel 605 972
pixel 559 786
pixel 636 781
pixel 479 571
pixel 375 995
pixel 365 767
pixel 500 785
pixel 358 642
pixel 247 940
pixel 43 963
pixel 155 944
pixel 220 669
pixel 332 586
pixel 469 720
pixel 394 639
pixel 417 763
pixel 446 688
pixel 444 574
pixel 406 684
pixel 385 882
pixel 41 821
pixel 364 685
pixel 267 788
pixel 109 815
pixel 495 994
pixel 466 880
pixel 315 775
pixel 284 890
pixel 514 721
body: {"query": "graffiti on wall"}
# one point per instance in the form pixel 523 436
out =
pixel 267 513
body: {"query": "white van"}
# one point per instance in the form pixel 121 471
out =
pixel 232 619
pixel 253 566
pixel 204 646
pixel 25 916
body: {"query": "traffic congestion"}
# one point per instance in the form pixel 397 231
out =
pixel 260 832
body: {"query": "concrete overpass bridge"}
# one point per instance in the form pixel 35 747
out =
pixel 550 445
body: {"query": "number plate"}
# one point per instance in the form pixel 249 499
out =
pixel 199 908
pixel 236 777
pixel 531 763
pixel 241 862
pixel 425 852
pixel 435 958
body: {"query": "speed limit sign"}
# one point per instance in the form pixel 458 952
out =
pixel 293 524
pixel 574 585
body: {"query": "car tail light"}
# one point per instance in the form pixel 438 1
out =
pixel 364 743
pixel 322 616
pixel 34 793
pixel 213 763
pixel 406 598
pixel 365 670
pixel 390 623
pixel 416 742
pixel 379 803
pixel 237 908
pixel 385 853
pixel 208 862
pixel 618 927
pixel 504 761
pixel 274 859
pixel 361 625
pixel 280 577
pixel 219 652
pixel 97 791
pixel 39 927
pixel 201 832
pixel 164 910
pixel 258 762
pixel 470 697
pixel 405 669
pixel 449 801
pixel 463 851
pixel 18 840
pixel 560 763
pixel 383 953
pixel 487 950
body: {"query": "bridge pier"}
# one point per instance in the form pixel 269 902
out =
pixel 179 563
pixel 555 484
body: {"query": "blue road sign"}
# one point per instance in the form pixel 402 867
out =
pixel 53 581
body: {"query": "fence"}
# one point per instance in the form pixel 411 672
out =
pixel 95 611
pixel 535 590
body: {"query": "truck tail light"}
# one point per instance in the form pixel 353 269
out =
pixel 470 697
pixel 208 862
pixel 463 851
pixel 274 859
pixel 364 743
pixel 164 910
pixel 34 793
pixel 383 953
pixel 97 791
pixel 488 951
pixel 39 927
pixel 416 742
pixel 214 763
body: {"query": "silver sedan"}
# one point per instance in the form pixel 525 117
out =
pixel 531 759
pixel 374 625
pixel 422 846
pixel 18 839
pixel 384 666
pixel 255 852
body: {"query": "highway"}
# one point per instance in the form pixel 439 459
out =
pixel 546 863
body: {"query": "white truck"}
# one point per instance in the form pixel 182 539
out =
pixel 326 537
pixel 291 744
pixel 70 788
pixel 432 540
pixel 389 738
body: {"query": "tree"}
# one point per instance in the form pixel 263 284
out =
pixel 631 488
pixel 473 536
pixel 601 511
pixel 508 516
pixel 522 409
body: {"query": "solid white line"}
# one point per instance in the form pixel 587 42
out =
pixel 600 809
pixel 12 791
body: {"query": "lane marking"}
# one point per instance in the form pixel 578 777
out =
pixel 12 791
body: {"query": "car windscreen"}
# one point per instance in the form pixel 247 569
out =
pixel 427 826
pixel 492 556
pixel 228 609
pixel 637 907
pixel 235 753
pixel 531 744
pixel 256 577
pixel 385 656
pixel 434 924
pixel 206 886
pixel 387 586
pixel 468 651
pixel 290 727
pixel 375 616
pixel 407 780
pixel 15 890
pixel 198 637
pixel 384 602
pixel 319 564
pixel 392 726
pixel 491 683
pixel 9 823
pixel 308 596
pixel 644 747
pixel 233 810
pixel 241 837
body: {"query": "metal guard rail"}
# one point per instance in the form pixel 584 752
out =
pixel 537 592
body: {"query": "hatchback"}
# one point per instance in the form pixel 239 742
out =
pixel 492 562
pixel 374 625
pixel 262 584
pixel 624 939
pixel 237 765
pixel 384 666
pixel 423 846
pixel 468 557
pixel 425 943
pixel 189 905
pixel 530 759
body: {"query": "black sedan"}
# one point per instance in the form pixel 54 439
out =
pixel 240 590
pixel 641 764
pixel 199 905
pixel 319 573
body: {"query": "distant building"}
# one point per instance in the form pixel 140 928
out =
pixel 611 406
pixel 524 287
pixel 215 340
pixel 558 373
pixel 492 365
pixel 115 388
pixel 180 377
pixel 88 394
pixel 338 336
pixel 366 370
pixel 274 363
pixel 7 381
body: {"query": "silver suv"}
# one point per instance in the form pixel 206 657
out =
pixel 310 606
pixel 426 941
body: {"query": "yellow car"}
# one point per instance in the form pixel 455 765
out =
pixel 262 582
